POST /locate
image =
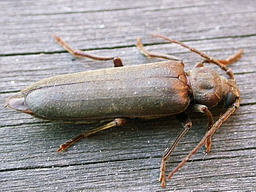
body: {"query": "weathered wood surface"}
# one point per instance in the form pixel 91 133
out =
pixel 125 158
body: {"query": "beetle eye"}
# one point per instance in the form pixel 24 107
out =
pixel 229 99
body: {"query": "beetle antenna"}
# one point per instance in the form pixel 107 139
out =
pixel 208 58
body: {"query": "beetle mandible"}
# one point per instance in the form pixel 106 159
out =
pixel 143 91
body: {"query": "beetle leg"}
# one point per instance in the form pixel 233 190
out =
pixel 230 60
pixel 148 54
pixel 210 133
pixel 78 53
pixel 115 123
pixel 187 124
pixel 204 109
pixel 233 58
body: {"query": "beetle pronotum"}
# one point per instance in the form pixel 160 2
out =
pixel 141 91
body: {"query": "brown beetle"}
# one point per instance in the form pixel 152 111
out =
pixel 141 91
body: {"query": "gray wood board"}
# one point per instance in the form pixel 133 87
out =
pixel 125 158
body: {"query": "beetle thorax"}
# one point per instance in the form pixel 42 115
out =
pixel 208 87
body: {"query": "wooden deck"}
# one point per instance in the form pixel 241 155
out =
pixel 125 158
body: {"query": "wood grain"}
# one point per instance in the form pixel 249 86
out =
pixel 125 158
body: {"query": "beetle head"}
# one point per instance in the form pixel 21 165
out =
pixel 209 88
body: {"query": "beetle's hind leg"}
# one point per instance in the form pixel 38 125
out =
pixel 78 53
pixel 115 123
pixel 148 54
pixel 187 124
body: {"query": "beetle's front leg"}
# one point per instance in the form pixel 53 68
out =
pixel 210 133
pixel 233 58
pixel 204 109
pixel 115 123
pixel 187 124
pixel 78 53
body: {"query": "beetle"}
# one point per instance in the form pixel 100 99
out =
pixel 145 91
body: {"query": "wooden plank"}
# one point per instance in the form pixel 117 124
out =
pixel 108 26
pixel 126 158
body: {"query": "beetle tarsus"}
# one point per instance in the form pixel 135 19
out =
pixel 115 123
pixel 63 147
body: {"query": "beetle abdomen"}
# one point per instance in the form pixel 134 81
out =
pixel 144 91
